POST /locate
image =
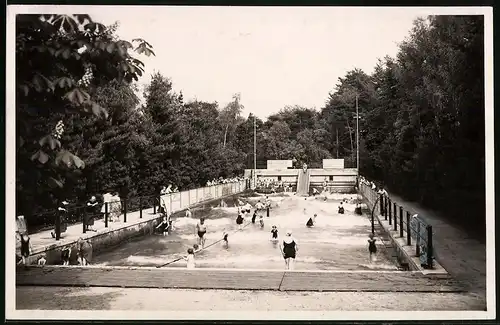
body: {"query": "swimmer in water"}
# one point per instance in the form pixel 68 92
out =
pixel 239 221
pixel 196 248
pixel 372 248
pixel 261 221
pixel 201 229
pixel 224 238
pixel 254 216
pixel 341 208
pixel 310 223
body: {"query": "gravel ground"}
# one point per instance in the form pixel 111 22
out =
pixel 99 298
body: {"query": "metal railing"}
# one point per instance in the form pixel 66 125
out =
pixel 172 202
pixel 403 221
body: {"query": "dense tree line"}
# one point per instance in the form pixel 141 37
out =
pixel 421 120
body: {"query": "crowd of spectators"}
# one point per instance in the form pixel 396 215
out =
pixel 221 180
pixel 379 189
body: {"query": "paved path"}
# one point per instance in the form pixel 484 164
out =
pixel 462 256
pixel 235 279
pixel 236 302
pixel 43 240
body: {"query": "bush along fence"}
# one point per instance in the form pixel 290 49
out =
pixel 112 209
pixel 410 226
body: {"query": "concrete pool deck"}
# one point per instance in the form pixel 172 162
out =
pixel 231 279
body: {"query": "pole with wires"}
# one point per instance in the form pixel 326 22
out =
pixel 255 150
pixel 357 139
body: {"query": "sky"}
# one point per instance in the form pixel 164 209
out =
pixel 273 57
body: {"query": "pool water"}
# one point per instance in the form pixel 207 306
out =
pixel 337 242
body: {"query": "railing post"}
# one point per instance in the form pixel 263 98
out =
pixel 395 218
pixel 58 225
pixel 430 248
pixel 417 248
pixel 390 210
pixel 381 204
pixel 84 219
pixel 170 204
pixel 140 207
pixel 106 214
pixel 408 229
pixel 386 200
pixel 125 210
pixel 400 221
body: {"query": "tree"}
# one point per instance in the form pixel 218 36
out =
pixel 230 116
pixel 61 59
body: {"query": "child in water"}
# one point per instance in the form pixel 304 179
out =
pixel 310 223
pixel 196 248
pixel 274 233
pixel 261 221
pixel 341 208
pixel 190 259
pixel 163 226
pixel 42 261
pixel 372 248
pixel 224 238
pixel 65 255
pixel 239 221
pixel 254 216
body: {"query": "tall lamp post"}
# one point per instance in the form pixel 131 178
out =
pixel 357 140
pixel 255 151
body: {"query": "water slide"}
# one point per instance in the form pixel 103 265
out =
pixel 303 182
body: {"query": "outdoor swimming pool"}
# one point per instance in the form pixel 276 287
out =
pixel 337 242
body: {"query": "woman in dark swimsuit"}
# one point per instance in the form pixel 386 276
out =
pixel 289 250
pixel 26 248
pixel 254 216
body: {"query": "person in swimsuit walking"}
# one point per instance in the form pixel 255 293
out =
pixel 254 216
pixel 372 248
pixel 289 248
pixel 201 229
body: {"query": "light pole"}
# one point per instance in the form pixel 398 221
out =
pixel 357 139
pixel 255 150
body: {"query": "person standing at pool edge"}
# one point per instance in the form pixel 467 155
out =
pixel 201 229
pixel 289 248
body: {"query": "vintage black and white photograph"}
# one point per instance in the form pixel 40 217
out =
pixel 225 162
